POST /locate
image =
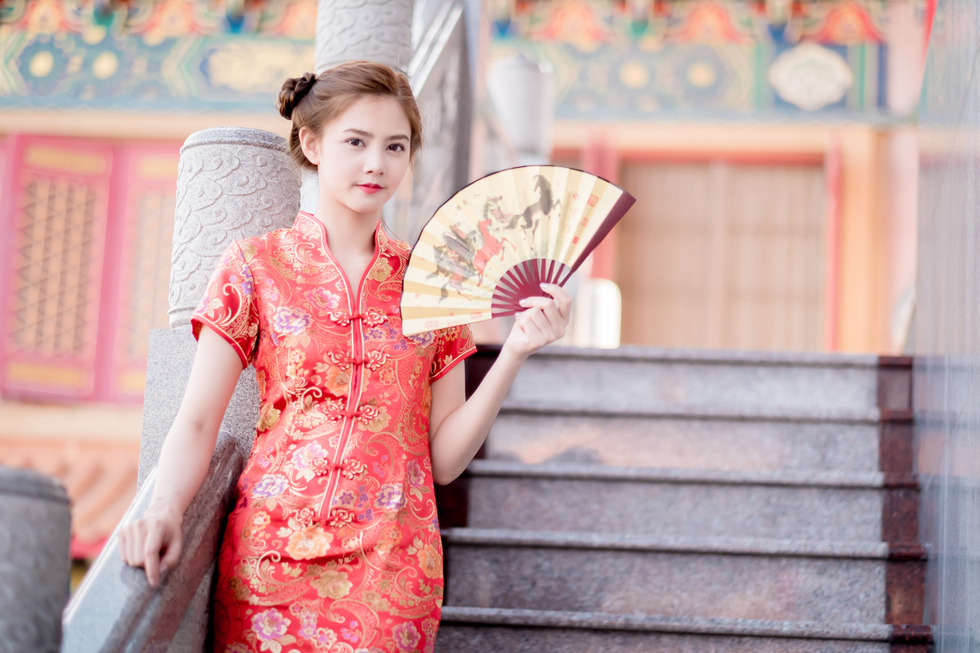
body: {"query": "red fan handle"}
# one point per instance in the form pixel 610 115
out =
pixel 524 280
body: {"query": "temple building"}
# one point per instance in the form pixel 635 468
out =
pixel 770 146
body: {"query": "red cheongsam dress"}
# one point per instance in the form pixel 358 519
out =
pixel 333 544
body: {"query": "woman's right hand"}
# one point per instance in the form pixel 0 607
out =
pixel 152 542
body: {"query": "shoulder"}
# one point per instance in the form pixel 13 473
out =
pixel 258 247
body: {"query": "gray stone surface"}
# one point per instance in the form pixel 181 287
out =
pixel 169 360
pixel 723 381
pixel 674 508
pixel 488 629
pixel 35 531
pixel 739 586
pixel 855 632
pixel 688 442
pixel 463 637
pixel 232 183
pixel 115 609
pixel 736 579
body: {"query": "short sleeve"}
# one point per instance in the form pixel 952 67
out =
pixel 453 345
pixel 228 307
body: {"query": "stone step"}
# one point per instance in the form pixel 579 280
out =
pixel 676 502
pixel 787 580
pixel 533 631
pixel 687 438
pixel 639 378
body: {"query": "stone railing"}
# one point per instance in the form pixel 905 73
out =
pixel 115 609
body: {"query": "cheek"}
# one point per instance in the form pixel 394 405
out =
pixel 398 168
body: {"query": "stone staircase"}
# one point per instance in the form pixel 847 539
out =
pixel 664 500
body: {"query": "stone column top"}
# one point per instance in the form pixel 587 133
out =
pixel 31 484
pixel 232 183
pixel 236 136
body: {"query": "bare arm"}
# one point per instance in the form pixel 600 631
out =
pixel 184 459
pixel 458 427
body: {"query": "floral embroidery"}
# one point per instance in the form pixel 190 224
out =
pixel 323 299
pixel 324 638
pixel 259 520
pixel 308 543
pixel 269 626
pixel 271 485
pixel 381 271
pixel 291 320
pixel 406 636
pixel 268 417
pixel 415 476
pixel 390 497
pixel 430 561
pixel 304 460
pixel 337 381
pixel 330 583
pixel 423 339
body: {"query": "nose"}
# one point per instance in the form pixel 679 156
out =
pixel 374 161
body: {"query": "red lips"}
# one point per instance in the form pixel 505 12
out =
pixel 369 188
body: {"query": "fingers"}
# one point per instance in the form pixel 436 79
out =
pixel 563 300
pixel 141 542
pixel 151 555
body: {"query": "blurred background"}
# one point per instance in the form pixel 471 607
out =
pixel 771 146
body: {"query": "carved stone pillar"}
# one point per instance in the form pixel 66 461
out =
pixel 376 30
pixel 232 183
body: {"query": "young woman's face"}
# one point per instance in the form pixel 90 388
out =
pixel 362 156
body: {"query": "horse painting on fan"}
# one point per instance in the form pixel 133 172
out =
pixel 497 240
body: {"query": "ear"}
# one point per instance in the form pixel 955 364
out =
pixel 310 144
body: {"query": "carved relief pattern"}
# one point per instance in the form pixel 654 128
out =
pixel 231 184
pixel 378 30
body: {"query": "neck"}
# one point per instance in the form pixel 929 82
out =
pixel 348 233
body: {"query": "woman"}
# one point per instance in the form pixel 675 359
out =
pixel 334 542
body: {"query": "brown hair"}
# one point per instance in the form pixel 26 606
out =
pixel 312 101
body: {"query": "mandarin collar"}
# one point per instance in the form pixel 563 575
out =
pixel 307 224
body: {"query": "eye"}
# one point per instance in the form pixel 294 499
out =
pixel 397 147
pixel 356 142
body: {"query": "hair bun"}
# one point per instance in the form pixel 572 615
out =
pixel 293 90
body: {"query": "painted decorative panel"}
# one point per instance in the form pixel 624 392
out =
pixel 169 54
pixel 57 204
pixel 616 60
pixel 85 271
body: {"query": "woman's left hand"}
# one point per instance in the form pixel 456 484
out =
pixel 544 321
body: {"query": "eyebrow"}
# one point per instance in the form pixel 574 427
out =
pixel 361 132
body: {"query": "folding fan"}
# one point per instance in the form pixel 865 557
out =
pixel 495 241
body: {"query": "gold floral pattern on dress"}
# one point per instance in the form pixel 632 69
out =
pixel 334 543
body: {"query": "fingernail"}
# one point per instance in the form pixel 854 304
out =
pixel 523 302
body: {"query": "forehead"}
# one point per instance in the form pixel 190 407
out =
pixel 378 115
